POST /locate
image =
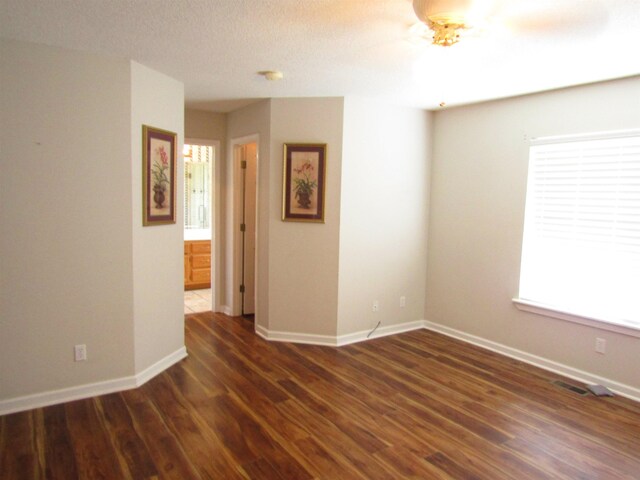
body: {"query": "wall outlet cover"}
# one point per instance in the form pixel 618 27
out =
pixel 80 353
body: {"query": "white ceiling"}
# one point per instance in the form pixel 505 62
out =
pixel 341 47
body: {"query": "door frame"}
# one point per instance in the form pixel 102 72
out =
pixel 235 215
pixel 216 219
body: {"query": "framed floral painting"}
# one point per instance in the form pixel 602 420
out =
pixel 158 176
pixel 304 182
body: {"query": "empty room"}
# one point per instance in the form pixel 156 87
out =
pixel 320 239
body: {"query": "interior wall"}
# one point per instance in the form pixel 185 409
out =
pixel 208 126
pixel 65 216
pixel 253 120
pixel 202 124
pixel 479 180
pixel 158 269
pixel 383 215
pixel 303 257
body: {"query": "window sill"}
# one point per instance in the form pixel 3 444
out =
pixel 539 309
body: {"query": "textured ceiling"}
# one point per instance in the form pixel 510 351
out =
pixel 341 47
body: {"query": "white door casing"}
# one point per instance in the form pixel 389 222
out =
pixel 249 251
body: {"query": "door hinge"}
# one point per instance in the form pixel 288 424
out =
pixel 243 164
pixel 243 227
pixel 241 288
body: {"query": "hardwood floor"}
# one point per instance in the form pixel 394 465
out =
pixel 415 405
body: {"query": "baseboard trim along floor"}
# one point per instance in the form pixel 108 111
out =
pixel 109 386
pixel 550 365
pixel 544 363
pixel 89 390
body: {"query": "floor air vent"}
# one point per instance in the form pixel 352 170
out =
pixel 573 388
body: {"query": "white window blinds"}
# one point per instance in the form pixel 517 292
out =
pixel 581 248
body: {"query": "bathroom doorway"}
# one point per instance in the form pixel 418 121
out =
pixel 199 225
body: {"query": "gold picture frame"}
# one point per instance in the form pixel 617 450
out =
pixel 304 182
pixel 158 176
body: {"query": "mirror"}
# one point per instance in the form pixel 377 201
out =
pixel 198 162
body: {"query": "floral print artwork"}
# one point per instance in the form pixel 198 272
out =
pixel 304 182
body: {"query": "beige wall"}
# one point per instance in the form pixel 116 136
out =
pixel 158 269
pixel 77 267
pixel 303 257
pixel 206 125
pixel 65 216
pixel 384 214
pixel 477 212
pixel 297 267
pixel 301 264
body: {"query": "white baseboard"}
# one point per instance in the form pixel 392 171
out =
pixel 310 339
pixel 337 341
pixel 54 397
pixel 544 363
pixel 160 366
pixel 379 332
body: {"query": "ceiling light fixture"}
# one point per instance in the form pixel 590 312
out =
pixel 272 75
pixel 445 18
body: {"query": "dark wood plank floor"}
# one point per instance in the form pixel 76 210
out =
pixel 415 405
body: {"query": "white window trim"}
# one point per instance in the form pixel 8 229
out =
pixel 600 323
pixel 634 132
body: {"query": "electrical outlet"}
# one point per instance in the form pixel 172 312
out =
pixel 403 301
pixel 80 353
pixel 376 306
pixel 601 345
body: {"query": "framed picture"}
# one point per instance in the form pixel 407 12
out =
pixel 304 180
pixel 158 176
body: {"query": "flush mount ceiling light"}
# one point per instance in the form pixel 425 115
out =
pixel 445 18
pixel 272 75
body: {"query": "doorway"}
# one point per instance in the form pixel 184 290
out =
pixel 246 161
pixel 200 219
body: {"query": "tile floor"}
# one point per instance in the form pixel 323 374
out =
pixel 197 301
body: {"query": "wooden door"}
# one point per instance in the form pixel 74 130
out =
pixel 249 220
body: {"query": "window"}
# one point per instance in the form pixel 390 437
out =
pixel 581 245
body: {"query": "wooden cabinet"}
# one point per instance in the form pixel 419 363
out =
pixel 197 264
